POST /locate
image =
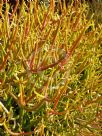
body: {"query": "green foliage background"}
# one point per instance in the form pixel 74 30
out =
pixel 51 70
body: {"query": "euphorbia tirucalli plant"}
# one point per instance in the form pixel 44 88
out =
pixel 49 71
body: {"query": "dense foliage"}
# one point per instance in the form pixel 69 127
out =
pixel 50 69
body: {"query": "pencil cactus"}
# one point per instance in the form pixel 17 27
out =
pixel 50 72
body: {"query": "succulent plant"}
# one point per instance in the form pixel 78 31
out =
pixel 50 71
